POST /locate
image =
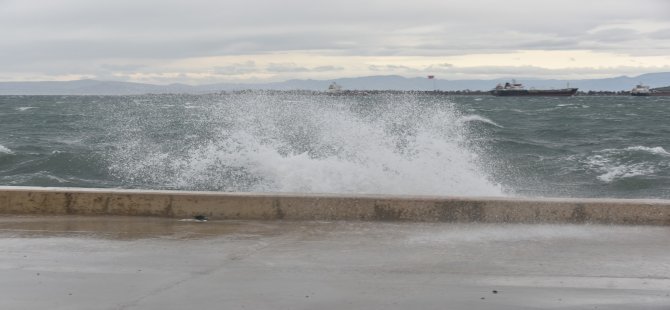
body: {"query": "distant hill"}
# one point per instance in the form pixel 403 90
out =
pixel 88 87
pixel 388 82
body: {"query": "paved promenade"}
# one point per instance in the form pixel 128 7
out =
pixel 79 262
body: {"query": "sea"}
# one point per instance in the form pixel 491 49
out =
pixel 419 143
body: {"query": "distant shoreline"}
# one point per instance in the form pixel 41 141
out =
pixel 621 85
pixel 463 92
pixel 340 93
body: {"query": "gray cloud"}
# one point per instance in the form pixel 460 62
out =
pixel 439 67
pixel 292 67
pixel 663 34
pixel 392 68
pixel 122 67
pixel 285 67
pixel 236 69
pixel 326 68
pixel 73 36
pixel 615 35
pixel 448 71
pixel 486 72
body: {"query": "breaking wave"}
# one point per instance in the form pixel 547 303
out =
pixel 617 164
pixel 297 143
pixel 478 118
pixel 5 150
pixel 653 150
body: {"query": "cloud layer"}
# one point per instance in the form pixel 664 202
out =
pixel 266 39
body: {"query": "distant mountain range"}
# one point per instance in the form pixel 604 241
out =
pixel 390 82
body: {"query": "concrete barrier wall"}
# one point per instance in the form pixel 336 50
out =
pixel 265 206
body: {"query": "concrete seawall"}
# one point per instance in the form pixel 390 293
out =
pixel 272 206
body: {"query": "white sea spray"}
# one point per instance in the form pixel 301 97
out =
pixel 298 144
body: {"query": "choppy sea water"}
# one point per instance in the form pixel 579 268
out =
pixel 302 142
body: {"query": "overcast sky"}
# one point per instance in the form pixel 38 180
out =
pixel 200 41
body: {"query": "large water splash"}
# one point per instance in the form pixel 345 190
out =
pixel 296 142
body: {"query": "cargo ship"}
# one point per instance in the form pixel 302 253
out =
pixel 517 89
pixel 643 90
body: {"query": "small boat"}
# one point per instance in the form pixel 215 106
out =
pixel 517 89
pixel 334 88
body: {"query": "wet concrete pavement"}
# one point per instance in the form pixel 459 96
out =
pixel 59 262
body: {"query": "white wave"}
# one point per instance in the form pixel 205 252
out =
pixel 5 150
pixel 478 118
pixel 653 150
pixel 25 108
pixel 270 146
pixel 612 166
pixel 624 171
pixel 367 170
pixel 55 178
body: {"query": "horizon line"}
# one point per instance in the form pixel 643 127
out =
pixel 435 78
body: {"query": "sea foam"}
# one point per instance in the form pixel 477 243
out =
pixel 653 150
pixel 270 143
pixel 621 163
pixel 5 150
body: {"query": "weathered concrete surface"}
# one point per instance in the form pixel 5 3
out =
pixel 75 262
pixel 264 206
